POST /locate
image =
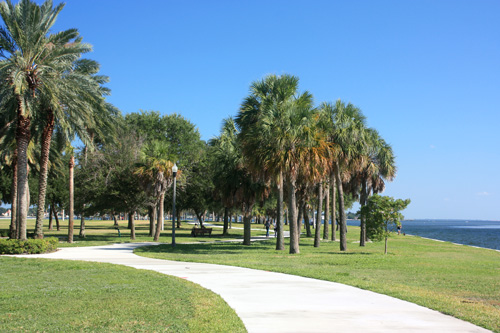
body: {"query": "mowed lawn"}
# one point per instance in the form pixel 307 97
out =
pixel 458 280
pixel 461 281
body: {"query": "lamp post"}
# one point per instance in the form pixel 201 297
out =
pixel 174 172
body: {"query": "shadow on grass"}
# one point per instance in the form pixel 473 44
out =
pixel 203 248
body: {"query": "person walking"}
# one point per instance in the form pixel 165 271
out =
pixel 267 225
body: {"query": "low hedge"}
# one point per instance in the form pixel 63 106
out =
pixel 29 246
pixel 4 233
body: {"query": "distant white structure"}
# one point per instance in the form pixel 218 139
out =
pixel 7 213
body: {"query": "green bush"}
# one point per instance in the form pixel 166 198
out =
pixel 30 246
pixel 4 233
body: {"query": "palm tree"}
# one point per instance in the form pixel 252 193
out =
pixel 277 131
pixel 156 169
pixel 79 97
pixel 30 58
pixel 378 165
pixel 345 125
pixel 234 183
pixel 226 159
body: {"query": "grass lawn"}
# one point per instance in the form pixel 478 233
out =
pixel 103 232
pixel 57 295
pixel 457 280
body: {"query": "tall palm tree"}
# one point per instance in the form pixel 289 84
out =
pixel 277 131
pixel 30 58
pixel 346 127
pixel 79 95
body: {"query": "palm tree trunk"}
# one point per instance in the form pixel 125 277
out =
pixel 71 199
pixel 22 138
pixel 299 220
pixel 343 222
pixel 280 239
pixel 247 224
pixel 327 211
pixel 226 222
pixel 306 221
pixel 317 231
pixel 13 210
pixel 362 201
pixel 334 205
pixel 44 171
pixel 51 223
pixel 160 217
pixel 178 217
pixel 132 224
pixel 292 217
pixel 152 218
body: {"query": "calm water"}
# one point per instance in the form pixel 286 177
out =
pixel 475 233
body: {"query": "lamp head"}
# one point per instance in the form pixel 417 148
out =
pixel 174 170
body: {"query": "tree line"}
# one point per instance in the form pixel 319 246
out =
pixel 280 153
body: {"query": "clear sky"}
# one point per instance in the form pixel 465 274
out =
pixel 425 73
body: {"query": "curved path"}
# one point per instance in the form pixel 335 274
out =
pixel 275 302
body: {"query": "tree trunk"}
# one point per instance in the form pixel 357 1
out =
pixel 280 239
pixel 317 231
pixel 71 199
pixel 51 226
pixel 132 223
pixel 343 223
pixel 292 217
pixel 159 223
pixel 362 202
pixel 307 221
pixel 247 224
pixel 152 218
pixel 13 210
pixel 326 226
pixel 199 216
pixel 44 171
pixel 22 137
pixel 299 220
pixel 54 211
pixel 82 226
pixel 178 213
pixel 334 205
pixel 116 221
pixel 226 222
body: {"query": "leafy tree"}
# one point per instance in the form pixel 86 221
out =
pixel 380 213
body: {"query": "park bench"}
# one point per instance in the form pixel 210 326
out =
pixel 201 231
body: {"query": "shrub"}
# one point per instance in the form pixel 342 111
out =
pixel 4 233
pixel 30 246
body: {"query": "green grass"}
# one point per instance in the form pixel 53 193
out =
pixel 103 232
pixel 56 295
pixel 457 280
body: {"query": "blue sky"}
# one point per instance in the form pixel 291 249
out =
pixel 425 73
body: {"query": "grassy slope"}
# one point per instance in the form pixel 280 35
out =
pixel 56 295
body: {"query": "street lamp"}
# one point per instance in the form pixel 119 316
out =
pixel 174 173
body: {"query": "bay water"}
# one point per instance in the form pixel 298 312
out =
pixel 467 232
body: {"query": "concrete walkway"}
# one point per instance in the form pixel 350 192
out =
pixel 274 302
